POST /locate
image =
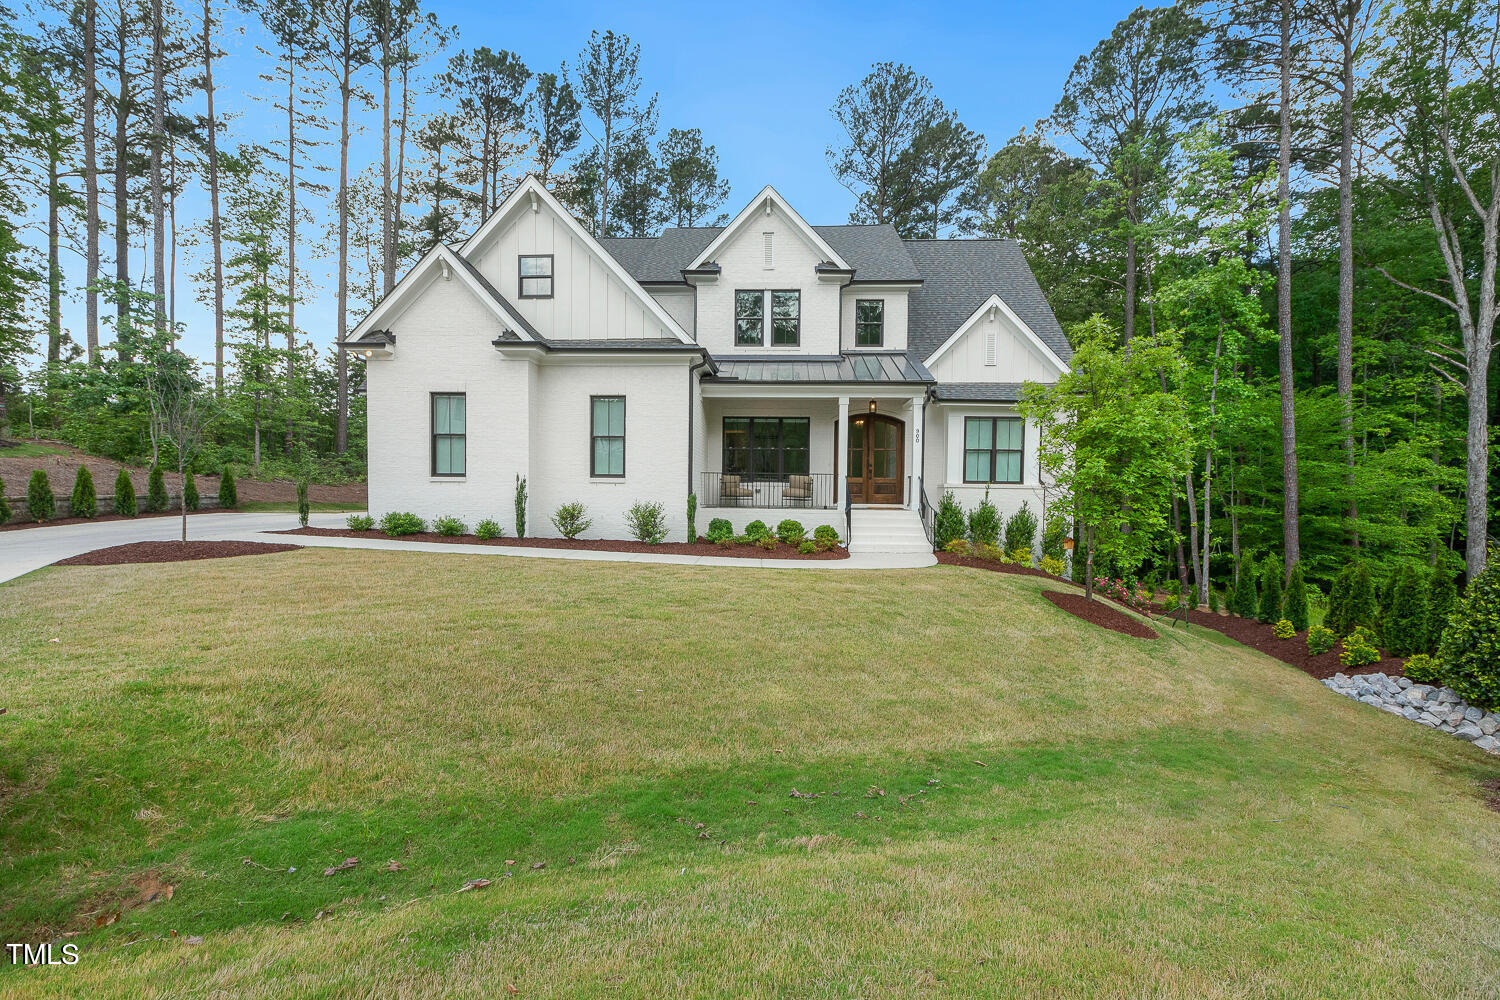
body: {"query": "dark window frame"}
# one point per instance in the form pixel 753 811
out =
pixel 761 340
pixel 767 317
pixel 521 275
pixel 771 294
pixel 880 324
pixel 594 473
pixel 748 472
pixel 993 452
pixel 432 398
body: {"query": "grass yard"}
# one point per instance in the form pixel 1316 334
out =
pixel 993 799
pixel 29 449
pixel 290 506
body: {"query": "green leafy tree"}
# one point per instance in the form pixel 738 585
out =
pixel 124 499
pixel 1269 609
pixel 1470 649
pixel 40 503
pixel 84 502
pixel 1295 605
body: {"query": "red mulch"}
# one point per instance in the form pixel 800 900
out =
pixel 1492 793
pixel 1291 651
pixel 700 548
pixel 1099 613
pixel 974 562
pixel 162 552
pixel 26 522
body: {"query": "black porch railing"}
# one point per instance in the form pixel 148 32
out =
pixel 813 491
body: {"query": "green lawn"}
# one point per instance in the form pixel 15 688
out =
pixel 290 506
pixel 994 799
pixel 26 449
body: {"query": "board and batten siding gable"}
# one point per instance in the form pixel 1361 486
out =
pixel 589 302
pixel 993 349
pixel 742 266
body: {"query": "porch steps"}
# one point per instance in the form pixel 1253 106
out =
pixel 886 529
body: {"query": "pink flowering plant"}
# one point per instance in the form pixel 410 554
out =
pixel 1123 592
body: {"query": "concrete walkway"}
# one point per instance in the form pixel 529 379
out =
pixel 25 550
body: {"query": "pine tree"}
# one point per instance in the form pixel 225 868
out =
pixel 229 497
pixel 156 490
pixel 1470 650
pixel 4 507
pixel 1440 601
pixel 189 491
pixel 84 502
pixel 1295 606
pixel 1245 600
pixel 40 503
pixel 1270 592
pixel 1352 602
pixel 1406 620
pixel 124 495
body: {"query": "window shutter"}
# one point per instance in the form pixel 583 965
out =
pixel 991 345
pixel 770 259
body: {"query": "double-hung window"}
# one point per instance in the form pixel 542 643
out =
pixel 449 420
pixel 766 448
pixel 993 447
pixel 535 279
pixel 869 322
pixel 607 437
pixel 750 309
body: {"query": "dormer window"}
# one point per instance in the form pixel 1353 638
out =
pixel 869 322
pixel 535 279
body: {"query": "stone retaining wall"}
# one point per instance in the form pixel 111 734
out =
pixel 1435 707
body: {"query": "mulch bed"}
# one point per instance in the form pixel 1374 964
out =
pixel 700 548
pixel 26 522
pixel 1291 651
pixel 163 552
pixel 1099 613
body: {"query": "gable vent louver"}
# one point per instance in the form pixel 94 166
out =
pixel 991 346
pixel 769 239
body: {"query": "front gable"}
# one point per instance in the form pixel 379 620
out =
pixel 593 298
pixel 440 284
pixel 767 212
pixel 995 345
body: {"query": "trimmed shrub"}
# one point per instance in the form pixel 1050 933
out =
pixel 1405 626
pixel 1021 555
pixel 487 529
pixel 825 537
pixel 1470 650
pixel 1320 640
pixel 1213 600
pixel 1441 598
pixel 1244 602
pixel 1020 530
pixel 156 490
pixel 84 502
pixel 360 522
pixel 984 523
pixel 1054 538
pixel 1054 566
pixel 4 506
pixel 190 498
pixel 692 517
pixel 959 547
pixel 520 504
pixel 229 496
pixel 948 523
pixel 571 520
pixel 1270 591
pixel 720 530
pixel 1284 629
pixel 807 546
pixel 125 495
pixel 1360 649
pixel 1294 605
pixel 767 542
pixel 40 503
pixel 756 530
pixel 449 527
pixel 304 509
pixel 791 532
pixel 648 522
pixel 1351 603
pixel 398 523
pixel 1423 669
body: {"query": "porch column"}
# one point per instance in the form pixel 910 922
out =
pixel 917 408
pixel 841 455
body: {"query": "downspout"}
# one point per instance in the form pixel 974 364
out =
pixel 692 373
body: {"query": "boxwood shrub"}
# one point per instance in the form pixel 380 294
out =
pixel 402 523
pixel 720 530
pixel 449 527
pixel 487 529
pixel 360 522
pixel 791 532
pixel 756 530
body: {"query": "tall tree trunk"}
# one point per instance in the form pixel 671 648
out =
pixel 400 173
pixel 387 208
pixel 1346 274
pixel 1208 472
pixel 1290 538
pixel 1192 526
pixel 215 233
pixel 54 265
pixel 90 183
pixel 291 201
pixel 172 238
pixel 341 434
pixel 158 203
pixel 122 192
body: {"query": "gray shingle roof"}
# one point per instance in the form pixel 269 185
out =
pixel 494 293
pixel 958 275
pixel 978 392
pixel 892 367
pixel 875 252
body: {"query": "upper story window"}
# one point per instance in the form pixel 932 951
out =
pixel 993 447
pixel 750 309
pixel 449 452
pixel 536 276
pixel 869 323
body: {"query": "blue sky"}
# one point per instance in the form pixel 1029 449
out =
pixel 758 79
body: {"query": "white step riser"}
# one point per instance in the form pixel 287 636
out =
pixel 888 531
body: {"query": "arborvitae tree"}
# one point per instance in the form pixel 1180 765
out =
pixel 304 509
pixel 1270 591
pixel 1405 623
pixel 156 490
pixel 1441 598
pixel 1294 608
pixel 40 503
pixel 124 495
pixel 189 491
pixel 1244 601
pixel 1470 650
pixel 84 502
pixel 4 507
pixel 229 497
pixel 1352 602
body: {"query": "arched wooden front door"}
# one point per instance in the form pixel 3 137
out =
pixel 877 458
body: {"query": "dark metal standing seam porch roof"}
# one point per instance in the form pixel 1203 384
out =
pixel 863 369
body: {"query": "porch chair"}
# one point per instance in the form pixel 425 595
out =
pixel 730 488
pixel 799 489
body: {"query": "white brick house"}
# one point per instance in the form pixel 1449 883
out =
pixel 833 374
